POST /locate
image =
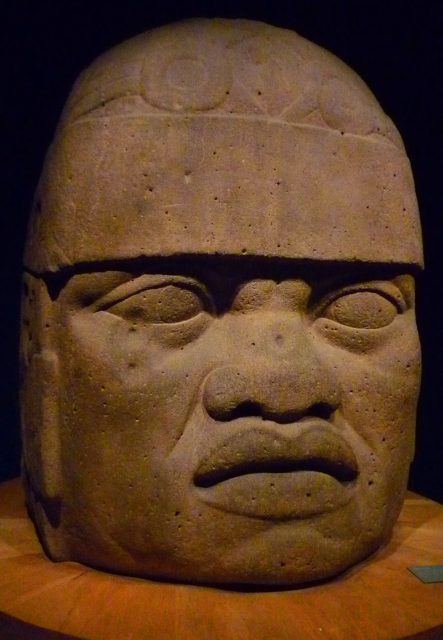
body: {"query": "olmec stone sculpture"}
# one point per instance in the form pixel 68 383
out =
pixel 220 356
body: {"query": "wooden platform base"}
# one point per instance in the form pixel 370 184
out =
pixel 378 600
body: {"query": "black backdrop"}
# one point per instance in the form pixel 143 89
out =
pixel 397 47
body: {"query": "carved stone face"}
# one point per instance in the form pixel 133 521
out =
pixel 223 375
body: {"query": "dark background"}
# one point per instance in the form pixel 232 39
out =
pixel 395 46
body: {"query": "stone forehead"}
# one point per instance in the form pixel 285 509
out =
pixel 229 68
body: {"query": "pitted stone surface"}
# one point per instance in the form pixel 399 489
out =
pixel 231 67
pixel 224 109
pixel 219 351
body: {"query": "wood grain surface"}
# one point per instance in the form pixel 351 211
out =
pixel 377 600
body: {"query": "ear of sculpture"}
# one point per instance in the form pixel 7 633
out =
pixel 40 415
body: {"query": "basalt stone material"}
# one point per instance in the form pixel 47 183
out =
pixel 219 350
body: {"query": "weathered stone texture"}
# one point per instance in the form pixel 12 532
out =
pixel 219 351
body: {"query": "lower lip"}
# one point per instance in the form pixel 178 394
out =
pixel 279 496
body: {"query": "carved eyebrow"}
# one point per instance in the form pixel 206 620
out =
pixel 148 281
pixel 313 271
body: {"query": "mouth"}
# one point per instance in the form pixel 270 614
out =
pixel 261 473
pixel 339 470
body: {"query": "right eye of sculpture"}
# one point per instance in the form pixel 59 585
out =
pixel 166 304
pixel 365 309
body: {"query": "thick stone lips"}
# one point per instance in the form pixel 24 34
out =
pixel 255 450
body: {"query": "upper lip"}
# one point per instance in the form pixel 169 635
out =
pixel 258 449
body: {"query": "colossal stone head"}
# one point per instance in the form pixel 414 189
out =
pixel 219 350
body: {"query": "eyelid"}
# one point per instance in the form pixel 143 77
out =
pixel 150 281
pixel 386 289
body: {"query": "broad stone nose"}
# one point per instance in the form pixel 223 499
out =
pixel 280 376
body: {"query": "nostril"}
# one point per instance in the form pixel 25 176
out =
pixel 321 410
pixel 249 409
pixel 230 394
